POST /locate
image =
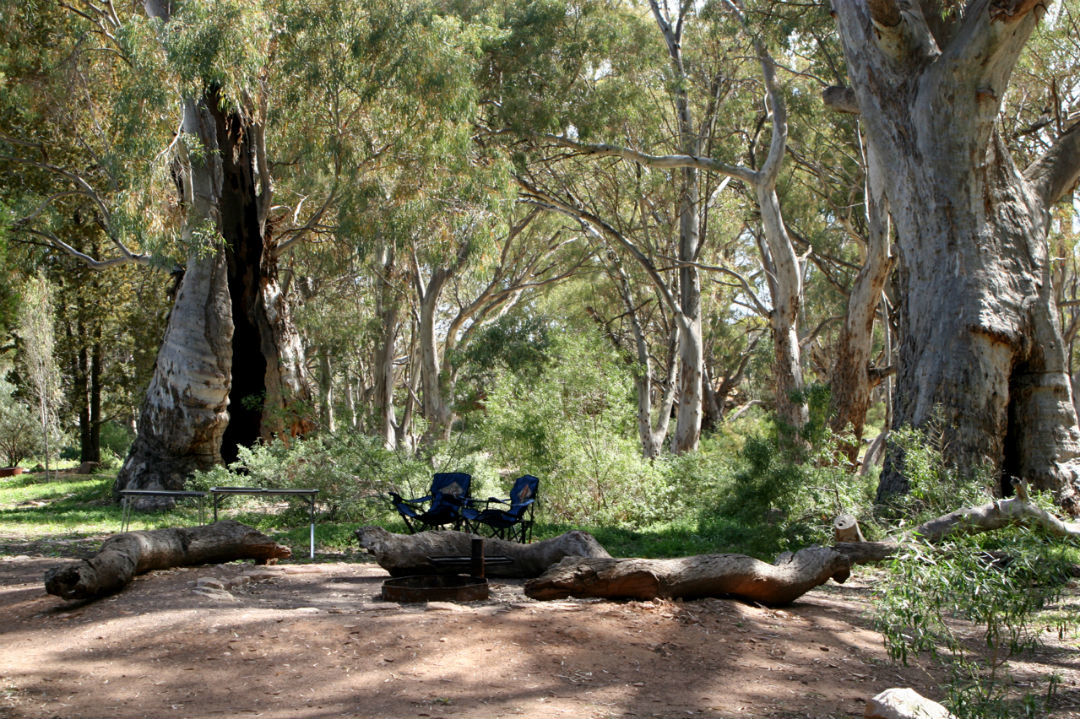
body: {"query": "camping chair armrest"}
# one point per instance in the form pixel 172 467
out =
pixel 419 500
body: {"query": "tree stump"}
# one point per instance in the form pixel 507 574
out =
pixel 123 556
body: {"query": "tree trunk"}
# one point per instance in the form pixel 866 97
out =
pixel 437 410
pixel 981 349
pixel 402 554
pixel 269 390
pixel 123 556
pixel 386 310
pixel 230 342
pixel 785 286
pixel 709 575
pixel 850 380
pixel 326 391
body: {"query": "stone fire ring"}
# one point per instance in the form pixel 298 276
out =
pixel 435 588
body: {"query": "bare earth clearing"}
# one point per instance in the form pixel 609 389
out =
pixel 314 640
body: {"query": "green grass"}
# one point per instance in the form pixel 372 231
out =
pixel 33 508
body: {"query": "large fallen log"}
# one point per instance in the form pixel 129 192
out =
pixel 791 576
pixel 403 554
pixel 709 575
pixel 123 556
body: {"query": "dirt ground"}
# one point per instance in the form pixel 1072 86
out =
pixel 315 640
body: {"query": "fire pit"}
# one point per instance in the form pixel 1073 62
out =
pixel 435 588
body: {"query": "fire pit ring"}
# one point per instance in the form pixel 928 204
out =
pixel 435 588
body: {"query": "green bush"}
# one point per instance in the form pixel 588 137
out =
pixel 934 597
pixel 352 472
pixel 116 438
pixel 570 422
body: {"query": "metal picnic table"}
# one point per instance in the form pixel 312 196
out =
pixel 128 495
pixel 216 493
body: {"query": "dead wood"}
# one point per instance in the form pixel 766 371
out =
pixel 709 575
pixel 997 515
pixel 402 554
pixel 846 529
pixel 123 556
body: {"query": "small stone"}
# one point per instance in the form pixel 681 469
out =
pixel 209 583
pixel 218 594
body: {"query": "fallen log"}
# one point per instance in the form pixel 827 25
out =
pixel 988 517
pixel 404 554
pixel 123 556
pixel 709 575
pixel 996 515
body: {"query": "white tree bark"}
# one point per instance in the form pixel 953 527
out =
pixel 185 410
pixel 981 343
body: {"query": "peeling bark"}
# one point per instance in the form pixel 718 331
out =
pixel 981 347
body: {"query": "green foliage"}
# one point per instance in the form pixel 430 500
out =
pixel 20 435
pixel 792 487
pixel 948 599
pixel 935 487
pixel 352 472
pixel 571 424
pixel 116 438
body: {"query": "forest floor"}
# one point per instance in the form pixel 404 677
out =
pixel 315 640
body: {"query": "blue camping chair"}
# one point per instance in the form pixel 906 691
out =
pixel 448 494
pixel 513 523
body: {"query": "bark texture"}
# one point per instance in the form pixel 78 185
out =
pixel 185 410
pixel 403 554
pixel 123 556
pixel 981 346
pixel 230 369
pixel 711 575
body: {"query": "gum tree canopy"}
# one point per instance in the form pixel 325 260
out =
pixel 981 342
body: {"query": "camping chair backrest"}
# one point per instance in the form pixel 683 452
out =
pixel 523 494
pixel 450 488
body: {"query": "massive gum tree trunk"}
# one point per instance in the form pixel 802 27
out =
pixel 185 410
pixel 230 370
pixel 980 337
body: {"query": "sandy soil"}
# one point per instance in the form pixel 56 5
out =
pixel 315 640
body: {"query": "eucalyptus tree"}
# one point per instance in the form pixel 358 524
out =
pixel 981 342
pixel 699 85
pixel 38 340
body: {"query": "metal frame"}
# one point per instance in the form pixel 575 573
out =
pixel 126 496
pixel 217 493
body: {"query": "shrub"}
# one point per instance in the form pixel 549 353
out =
pixel 20 434
pixel 933 596
pixel 352 472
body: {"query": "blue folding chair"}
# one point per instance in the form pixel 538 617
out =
pixel 448 494
pixel 514 523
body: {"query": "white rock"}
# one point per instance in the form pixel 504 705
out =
pixel 904 704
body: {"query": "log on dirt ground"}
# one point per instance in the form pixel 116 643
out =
pixel 403 554
pixel 123 556
pixel 709 575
